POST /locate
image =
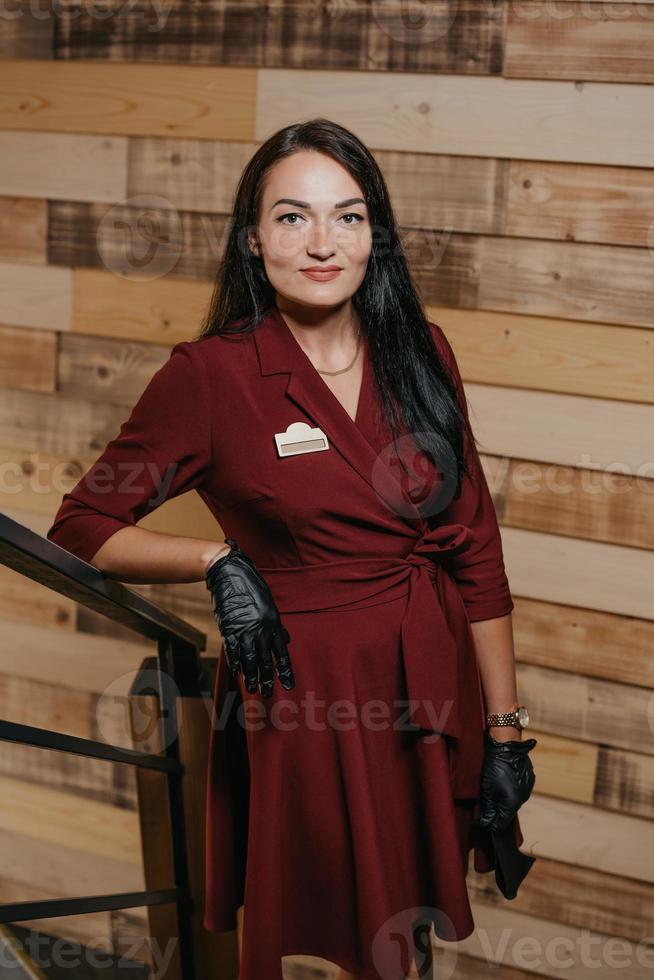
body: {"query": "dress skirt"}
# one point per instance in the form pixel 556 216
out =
pixel 328 815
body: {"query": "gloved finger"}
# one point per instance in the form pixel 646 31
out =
pixel 488 811
pixel 249 661
pixel 232 655
pixel 284 669
pixel 504 814
pixel 266 672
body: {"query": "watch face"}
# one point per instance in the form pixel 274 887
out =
pixel 523 716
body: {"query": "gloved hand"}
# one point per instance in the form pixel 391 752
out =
pixel 249 621
pixel 506 782
pixel 507 779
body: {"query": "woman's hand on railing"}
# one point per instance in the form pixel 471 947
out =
pixel 249 622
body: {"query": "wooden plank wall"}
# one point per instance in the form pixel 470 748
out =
pixel 518 143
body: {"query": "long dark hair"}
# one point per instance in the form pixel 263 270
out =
pixel 408 370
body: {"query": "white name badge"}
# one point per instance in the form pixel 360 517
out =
pixel 300 438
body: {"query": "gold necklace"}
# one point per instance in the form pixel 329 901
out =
pixel 343 370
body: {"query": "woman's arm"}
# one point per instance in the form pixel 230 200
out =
pixel 163 449
pixel 495 656
pixel 137 555
pixel 480 574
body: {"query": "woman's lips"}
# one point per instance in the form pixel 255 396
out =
pixel 321 275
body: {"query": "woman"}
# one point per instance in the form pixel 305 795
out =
pixel 322 419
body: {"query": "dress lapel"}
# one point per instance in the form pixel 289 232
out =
pixel 279 352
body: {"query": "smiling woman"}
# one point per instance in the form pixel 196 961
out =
pixel 361 576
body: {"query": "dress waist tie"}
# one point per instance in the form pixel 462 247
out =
pixel 442 679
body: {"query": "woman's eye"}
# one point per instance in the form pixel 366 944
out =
pixel 353 214
pixel 291 214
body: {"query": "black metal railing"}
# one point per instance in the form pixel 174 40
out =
pixel 178 648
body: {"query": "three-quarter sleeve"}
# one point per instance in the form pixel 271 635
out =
pixel 161 451
pixel 479 571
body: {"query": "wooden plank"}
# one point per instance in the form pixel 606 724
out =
pixel 132 99
pixel 565 767
pixel 587 709
pixel 35 422
pixel 75 715
pixel 112 371
pixel 580 202
pixel 531 942
pixel 586 772
pixel 35 298
pixel 28 358
pixel 21 600
pixel 609 283
pixel 579 503
pixel 610 45
pixel 463 114
pixel 72 661
pixel 291 34
pixel 229 32
pixel 61 166
pixel 465 37
pixel 95 828
pixel 625 782
pixel 575 896
pixel 66 772
pixel 23 229
pixel 549 354
pixel 183 244
pixel 573 572
pixel 63 868
pixel 584 641
pixel 593 433
pixel 188 174
pixel 26 31
pixel 37 481
pixel 588 837
pixel 161 311
pixel 435 190
pixel 528 276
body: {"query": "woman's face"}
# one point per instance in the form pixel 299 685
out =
pixel 314 233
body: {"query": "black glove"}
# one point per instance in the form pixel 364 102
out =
pixel 507 780
pixel 249 621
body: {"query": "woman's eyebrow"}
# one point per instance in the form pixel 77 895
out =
pixel 307 207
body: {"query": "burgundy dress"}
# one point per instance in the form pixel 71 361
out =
pixel 339 812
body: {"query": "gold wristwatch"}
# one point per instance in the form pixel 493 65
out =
pixel 518 716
